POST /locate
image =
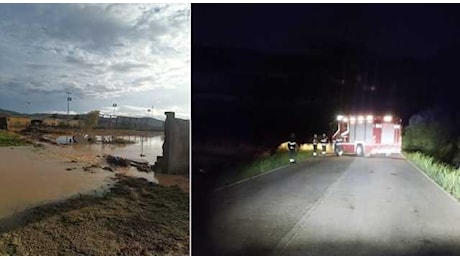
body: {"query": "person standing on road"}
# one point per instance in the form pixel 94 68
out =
pixel 292 146
pixel 323 144
pixel 338 145
pixel 315 144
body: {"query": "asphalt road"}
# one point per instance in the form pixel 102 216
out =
pixel 333 206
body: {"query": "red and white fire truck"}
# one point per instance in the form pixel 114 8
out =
pixel 365 135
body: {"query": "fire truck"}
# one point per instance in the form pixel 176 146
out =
pixel 366 135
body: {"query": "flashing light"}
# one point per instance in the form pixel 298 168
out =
pixel 345 119
pixel 352 118
pixel 387 118
pixel 339 117
pixel 369 118
pixel 360 119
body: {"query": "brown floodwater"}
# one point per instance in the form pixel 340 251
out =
pixel 145 148
pixel 32 176
pixel 29 178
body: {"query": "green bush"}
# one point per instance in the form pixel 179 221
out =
pixel 434 132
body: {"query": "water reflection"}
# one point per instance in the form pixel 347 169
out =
pixel 144 147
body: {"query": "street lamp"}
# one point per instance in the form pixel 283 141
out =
pixel 114 105
pixel 69 98
pixel 150 110
pixel 27 107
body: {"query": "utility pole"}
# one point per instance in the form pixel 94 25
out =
pixel 114 105
pixel 27 107
pixel 69 98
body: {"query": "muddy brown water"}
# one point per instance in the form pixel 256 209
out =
pixel 150 147
pixel 31 176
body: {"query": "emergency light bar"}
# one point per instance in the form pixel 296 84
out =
pixel 387 118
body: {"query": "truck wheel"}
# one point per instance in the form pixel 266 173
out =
pixel 359 150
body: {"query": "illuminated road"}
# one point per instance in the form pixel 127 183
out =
pixel 334 206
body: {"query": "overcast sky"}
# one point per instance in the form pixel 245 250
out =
pixel 137 56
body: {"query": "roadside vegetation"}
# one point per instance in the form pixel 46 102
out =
pixel 11 139
pixel 436 133
pixel 445 175
pixel 432 142
pixel 266 162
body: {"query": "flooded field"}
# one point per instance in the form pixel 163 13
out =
pixel 31 176
pixel 66 199
pixel 145 147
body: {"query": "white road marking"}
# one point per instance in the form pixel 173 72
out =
pixel 284 242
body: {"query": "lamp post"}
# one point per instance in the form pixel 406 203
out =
pixel 114 105
pixel 27 107
pixel 69 98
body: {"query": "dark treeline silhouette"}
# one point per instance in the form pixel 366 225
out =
pixel 261 97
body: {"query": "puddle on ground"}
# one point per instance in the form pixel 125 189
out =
pixel 28 179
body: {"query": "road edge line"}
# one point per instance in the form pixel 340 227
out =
pixel 250 178
pixel 284 242
pixel 429 178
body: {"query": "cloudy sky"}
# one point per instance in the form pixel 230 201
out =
pixel 137 56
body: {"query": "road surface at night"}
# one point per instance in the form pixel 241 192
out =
pixel 334 206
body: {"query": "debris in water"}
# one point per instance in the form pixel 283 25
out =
pixel 107 168
pixel 118 161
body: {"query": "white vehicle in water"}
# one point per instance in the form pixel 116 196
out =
pixel 365 135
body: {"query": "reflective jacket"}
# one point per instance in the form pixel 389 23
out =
pixel 324 140
pixel 315 140
pixel 292 145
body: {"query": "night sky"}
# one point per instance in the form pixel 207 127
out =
pixel 262 71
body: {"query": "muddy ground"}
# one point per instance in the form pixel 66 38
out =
pixel 135 217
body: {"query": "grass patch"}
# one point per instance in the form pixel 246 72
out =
pixel 261 165
pixel 11 139
pixel 446 176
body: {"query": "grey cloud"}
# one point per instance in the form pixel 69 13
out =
pixel 97 51
pixel 142 80
pixel 128 66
